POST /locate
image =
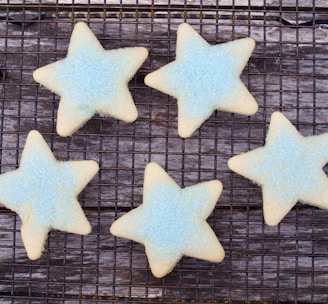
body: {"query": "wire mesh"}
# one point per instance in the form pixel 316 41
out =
pixel 287 72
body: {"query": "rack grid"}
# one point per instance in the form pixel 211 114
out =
pixel 287 72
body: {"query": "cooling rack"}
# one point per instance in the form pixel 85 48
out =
pixel 287 72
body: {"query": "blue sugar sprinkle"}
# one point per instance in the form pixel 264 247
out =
pixel 43 185
pixel 288 167
pixel 90 82
pixel 204 76
pixel 168 222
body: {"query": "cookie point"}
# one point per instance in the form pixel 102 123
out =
pixel 252 106
pixel 62 131
pixel 152 165
pixel 133 116
pixel 272 222
pixel 233 163
pixel 36 75
pixel 158 274
pixel 81 25
pixel 220 257
pixel 159 271
pixel 34 133
pixel 217 184
pixel 140 53
pixel 184 133
pixel 33 256
pixel 33 136
pixel 252 42
pixel 276 115
pixel 86 230
pixel 93 166
pixel 113 228
pixel 34 252
pixel 143 52
pixel 184 26
pixel 256 107
pixel 148 80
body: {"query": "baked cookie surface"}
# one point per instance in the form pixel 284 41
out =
pixel 91 80
pixel 205 78
pixel 43 192
pixel 289 167
pixel 171 222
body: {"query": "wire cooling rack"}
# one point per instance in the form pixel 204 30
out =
pixel 287 72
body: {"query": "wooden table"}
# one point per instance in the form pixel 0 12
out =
pixel 287 72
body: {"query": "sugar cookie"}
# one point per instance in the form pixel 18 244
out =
pixel 43 192
pixel 288 167
pixel 205 78
pixel 91 80
pixel 171 222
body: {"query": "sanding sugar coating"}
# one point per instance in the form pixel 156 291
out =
pixel 91 80
pixel 171 222
pixel 43 192
pixel 288 167
pixel 205 78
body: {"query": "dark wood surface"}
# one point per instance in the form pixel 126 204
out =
pixel 287 72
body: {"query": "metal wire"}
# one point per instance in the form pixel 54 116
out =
pixel 287 72
pixel 29 18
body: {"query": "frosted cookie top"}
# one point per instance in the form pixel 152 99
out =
pixel 205 78
pixel 288 167
pixel 171 222
pixel 91 80
pixel 43 191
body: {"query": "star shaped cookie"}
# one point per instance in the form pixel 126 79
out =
pixel 91 80
pixel 205 78
pixel 43 192
pixel 288 167
pixel 171 222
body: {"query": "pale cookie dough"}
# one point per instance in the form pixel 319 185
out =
pixel 205 78
pixel 289 168
pixel 43 192
pixel 91 80
pixel 171 222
